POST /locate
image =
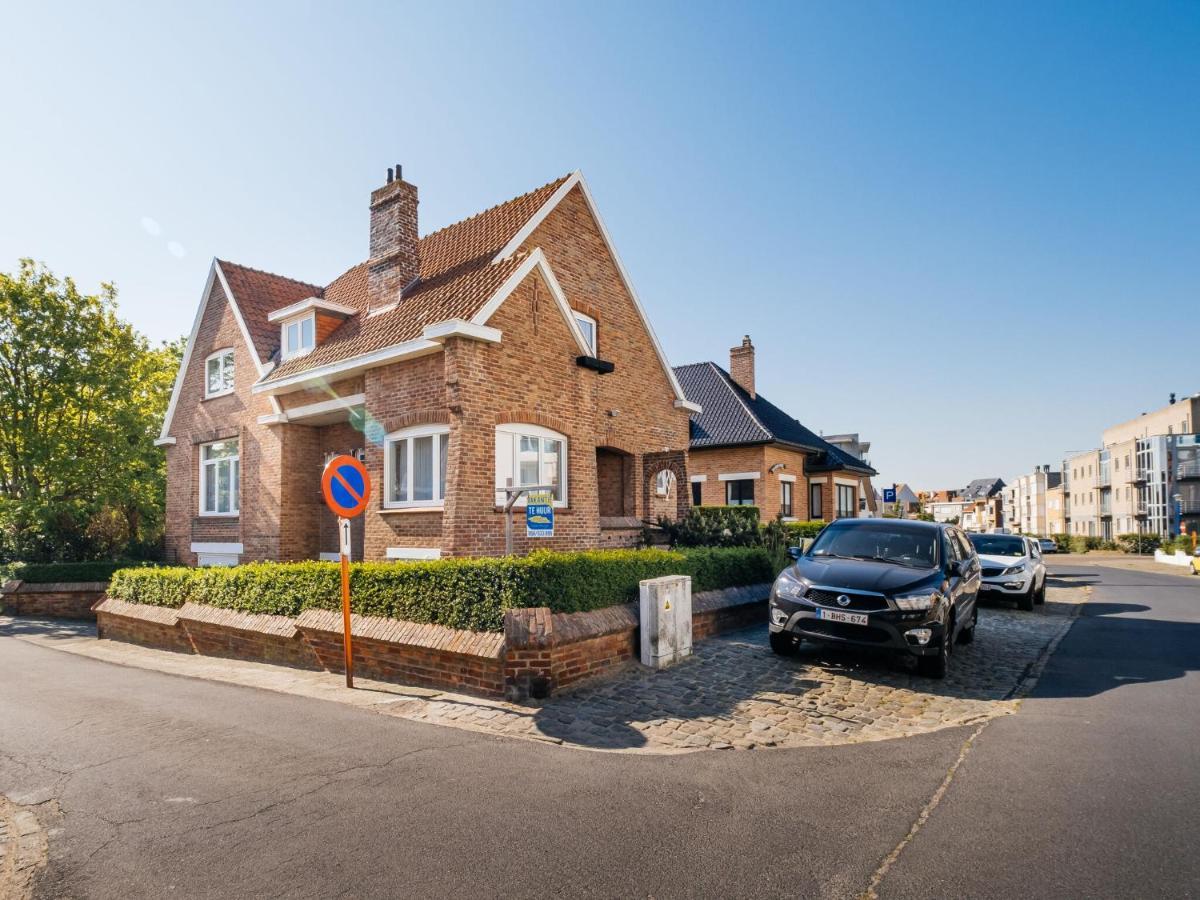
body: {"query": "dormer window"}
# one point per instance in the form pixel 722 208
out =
pixel 299 336
pixel 218 374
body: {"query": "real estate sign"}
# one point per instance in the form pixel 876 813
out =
pixel 539 514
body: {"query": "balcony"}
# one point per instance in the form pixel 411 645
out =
pixel 1187 470
pixel 1136 475
pixel 1140 508
pixel 1189 507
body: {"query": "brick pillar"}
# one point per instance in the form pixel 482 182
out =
pixel 528 643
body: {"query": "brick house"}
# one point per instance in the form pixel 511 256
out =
pixel 507 349
pixel 747 451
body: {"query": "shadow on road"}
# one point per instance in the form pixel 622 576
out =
pixel 55 629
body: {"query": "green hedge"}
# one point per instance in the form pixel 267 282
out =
pixel 714 526
pixel 46 573
pixel 460 593
pixel 809 529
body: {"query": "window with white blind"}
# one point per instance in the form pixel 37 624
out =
pixel 414 468
pixel 218 373
pixel 220 477
pixel 530 456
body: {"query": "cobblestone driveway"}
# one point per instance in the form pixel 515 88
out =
pixel 735 693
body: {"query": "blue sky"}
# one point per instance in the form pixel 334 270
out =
pixel 970 232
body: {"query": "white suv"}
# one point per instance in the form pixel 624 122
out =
pixel 1012 567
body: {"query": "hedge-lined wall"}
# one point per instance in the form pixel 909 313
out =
pixel 470 593
pixel 49 573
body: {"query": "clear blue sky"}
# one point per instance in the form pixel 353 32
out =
pixel 970 232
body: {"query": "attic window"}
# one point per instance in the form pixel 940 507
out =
pixel 299 336
pixel 588 326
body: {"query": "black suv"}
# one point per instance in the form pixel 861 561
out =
pixel 888 583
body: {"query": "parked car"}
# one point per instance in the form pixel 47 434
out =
pixel 1012 567
pixel 894 584
pixel 1047 545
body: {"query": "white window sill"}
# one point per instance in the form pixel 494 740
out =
pixel 388 510
pixel 218 394
pixel 215 515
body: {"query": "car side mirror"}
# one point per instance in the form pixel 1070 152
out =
pixel 795 552
pixel 954 568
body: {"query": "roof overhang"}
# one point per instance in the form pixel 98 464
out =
pixel 311 303
pixel 347 367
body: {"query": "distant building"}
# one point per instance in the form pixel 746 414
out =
pixel 983 505
pixel 1025 500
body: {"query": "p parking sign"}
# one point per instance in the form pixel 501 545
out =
pixel 889 495
pixel 539 514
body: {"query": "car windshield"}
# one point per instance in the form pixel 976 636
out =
pixel 998 545
pixel 884 543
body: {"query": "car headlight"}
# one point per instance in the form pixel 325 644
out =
pixel 1014 570
pixel 920 600
pixel 788 586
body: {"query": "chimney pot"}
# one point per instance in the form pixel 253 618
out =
pixel 1172 399
pixel 741 366
pixel 389 181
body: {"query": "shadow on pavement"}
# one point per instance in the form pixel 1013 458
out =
pixel 55 629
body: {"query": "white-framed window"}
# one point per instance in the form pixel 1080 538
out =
pixel 588 326
pixel 529 455
pixel 414 467
pixel 299 336
pixel 664 483
pixel 220 478
pixel 218 373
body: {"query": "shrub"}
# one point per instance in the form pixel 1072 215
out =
pixel 460 593
pixel 714 526
pixel 1063 541
pixel 1138 543
pixel 809 529
pixel 1081 543
pixel 47 573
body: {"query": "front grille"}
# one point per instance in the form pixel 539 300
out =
pixel 858 602
pixel 842 630
pixel 991 571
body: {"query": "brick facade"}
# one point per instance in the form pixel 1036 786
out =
pixel 55 601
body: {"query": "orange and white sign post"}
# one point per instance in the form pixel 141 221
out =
pixel 346 487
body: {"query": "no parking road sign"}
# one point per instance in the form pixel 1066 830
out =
pixel 346 487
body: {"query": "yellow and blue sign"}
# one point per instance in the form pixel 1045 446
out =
pixel 539 514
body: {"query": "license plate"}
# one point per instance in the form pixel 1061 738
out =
pixel 836 615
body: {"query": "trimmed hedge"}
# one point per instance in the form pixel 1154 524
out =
pixel 47 573
pixel 460 593
pixel 809 529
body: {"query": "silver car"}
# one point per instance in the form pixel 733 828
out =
pixel 1012 568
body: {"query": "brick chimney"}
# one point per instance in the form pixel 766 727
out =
pixel 741 365
pixel 394 258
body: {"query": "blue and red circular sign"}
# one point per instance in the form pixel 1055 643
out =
pixel 346 486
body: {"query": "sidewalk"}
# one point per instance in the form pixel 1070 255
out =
pixel 1116 560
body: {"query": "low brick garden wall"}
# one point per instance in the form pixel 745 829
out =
pixel 537 653
pixel 56 600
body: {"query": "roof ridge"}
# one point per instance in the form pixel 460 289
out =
pixel 728 381
pixel 496 206
pixel 230 262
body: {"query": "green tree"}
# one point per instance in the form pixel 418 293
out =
pixel 83 395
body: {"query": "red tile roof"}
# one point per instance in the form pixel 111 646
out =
pixel 456 278
pixel 258 293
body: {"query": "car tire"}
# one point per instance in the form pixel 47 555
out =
pixel 936 666
pixel 1025 600
pixel 967 635
pixel 1040 597
pixel 784 644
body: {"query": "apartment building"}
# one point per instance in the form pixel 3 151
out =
pixel 1056 509
pixel 1026 499
pixel 1082 473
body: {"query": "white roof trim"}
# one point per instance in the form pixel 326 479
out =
pixel 303 306
pixel 214 274
pixel 319 408
pixel 537 259
pixel 440 331
pixel 689 406
pixel 529 227
pixel 345 367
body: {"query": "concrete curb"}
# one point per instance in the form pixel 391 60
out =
pixel 23 850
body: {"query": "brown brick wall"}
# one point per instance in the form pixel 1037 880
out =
pixel 55 603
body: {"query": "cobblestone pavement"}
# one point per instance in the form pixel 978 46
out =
pixel 735 693
pixel 22 849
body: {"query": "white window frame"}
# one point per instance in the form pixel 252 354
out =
pixel 584 317
pixel 516 430
pixel 220 355
pixel 440 434
pixel 235 498
pixel 298 321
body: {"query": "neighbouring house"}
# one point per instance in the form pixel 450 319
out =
pixel 745 451
pixel 984 509
pixel 850 443
pixel 1026 501
pixel 509 349
pixel 907 503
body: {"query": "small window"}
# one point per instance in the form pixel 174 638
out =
pixel 846 501
pixel 588 326
pixel 530 456
pixel 664 483
pixel 218 374
pixel 414 468
pixel 785 499
pixel 697 493
pixel 219 478
pixel 299 336
pixel 814 501
pixel 740 492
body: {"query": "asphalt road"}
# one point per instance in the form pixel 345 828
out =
pixel 154 784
